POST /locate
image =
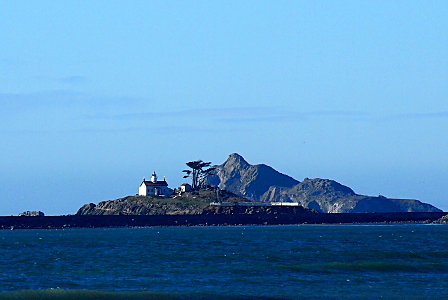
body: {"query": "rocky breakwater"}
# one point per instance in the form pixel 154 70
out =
pixel 255 209
pixel 442 220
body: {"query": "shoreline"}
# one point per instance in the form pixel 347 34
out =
pixel 113 221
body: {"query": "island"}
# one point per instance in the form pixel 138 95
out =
pixel 236 193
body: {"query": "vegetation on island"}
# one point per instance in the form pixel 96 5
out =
pixel 199 172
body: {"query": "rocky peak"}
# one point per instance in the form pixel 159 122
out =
pixel 235 161
pixel 251 181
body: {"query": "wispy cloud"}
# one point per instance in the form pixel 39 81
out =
pixel 413 116
pixel 119 113
pixel 129 116
pixel 10 103
pixel 73 79
pixel 231 115
pixel 187 113
pixel 67 99
pixel 91 130
pixel 8 64
pixel 94 107
pixel 279 115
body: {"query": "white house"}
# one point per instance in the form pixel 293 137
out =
pixel 154 187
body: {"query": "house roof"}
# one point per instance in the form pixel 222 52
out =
pixel 185 184
pixel 157 183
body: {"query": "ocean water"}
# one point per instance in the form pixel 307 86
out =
pixel 242 262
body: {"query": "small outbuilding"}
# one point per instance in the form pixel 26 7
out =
pixel 185 187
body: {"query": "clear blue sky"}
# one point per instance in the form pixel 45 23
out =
pixel 94 95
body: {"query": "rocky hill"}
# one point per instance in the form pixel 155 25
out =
pixel 188 204
pixel 263 183
pixel 329 196
pixel 250 181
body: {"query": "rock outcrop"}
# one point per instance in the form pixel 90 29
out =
pixel 32 213
pixel 442 220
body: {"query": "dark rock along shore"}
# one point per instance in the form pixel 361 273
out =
pixel 220 219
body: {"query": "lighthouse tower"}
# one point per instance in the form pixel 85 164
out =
pixel 154 177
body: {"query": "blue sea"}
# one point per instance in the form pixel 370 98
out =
pixel 241 262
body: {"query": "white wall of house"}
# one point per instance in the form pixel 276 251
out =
pixel 142 190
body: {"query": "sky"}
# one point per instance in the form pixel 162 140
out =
pixel 95 95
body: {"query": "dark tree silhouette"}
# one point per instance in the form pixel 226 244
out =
pixel 198 173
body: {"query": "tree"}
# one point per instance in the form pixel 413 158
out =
pixel 198 173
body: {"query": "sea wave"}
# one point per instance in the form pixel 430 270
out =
pixel 363 266
pixel 67 294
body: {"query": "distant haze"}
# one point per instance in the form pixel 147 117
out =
pixel 94 95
